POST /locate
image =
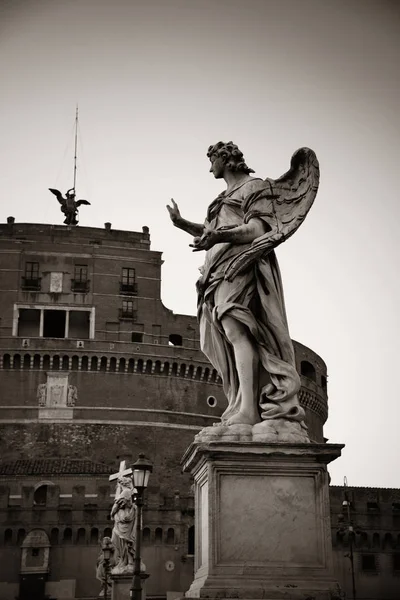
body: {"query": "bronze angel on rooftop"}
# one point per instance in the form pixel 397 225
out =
pixel 69 206
pixel 241 310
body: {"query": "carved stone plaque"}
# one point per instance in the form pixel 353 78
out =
pixel 56 398
pixel 56 281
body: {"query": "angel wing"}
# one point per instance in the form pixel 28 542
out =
pixel 292 196
pixel 79 202
pixel 58 194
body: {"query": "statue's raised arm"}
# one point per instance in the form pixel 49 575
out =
pixel 195 229
pixel 243 327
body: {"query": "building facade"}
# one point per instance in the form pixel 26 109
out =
pixel 93 370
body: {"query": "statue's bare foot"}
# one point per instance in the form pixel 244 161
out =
pixel 243 418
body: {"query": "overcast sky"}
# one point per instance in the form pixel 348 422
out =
pixel 158 81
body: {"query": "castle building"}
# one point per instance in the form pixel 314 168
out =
pixel 95 369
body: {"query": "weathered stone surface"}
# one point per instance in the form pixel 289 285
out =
pixel 262 520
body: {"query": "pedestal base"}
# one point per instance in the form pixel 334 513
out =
pixel 122 584
pixel 262 521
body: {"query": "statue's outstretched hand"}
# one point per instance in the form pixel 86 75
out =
pixel 174 212
pixel 209 238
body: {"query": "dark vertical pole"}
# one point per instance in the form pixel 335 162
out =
pixel 136 590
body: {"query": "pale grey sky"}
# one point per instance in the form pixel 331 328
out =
pixel 158 81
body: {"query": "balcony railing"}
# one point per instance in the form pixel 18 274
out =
pixel 129 315
pixel 79 286
pixel 128 289
pixel 30 284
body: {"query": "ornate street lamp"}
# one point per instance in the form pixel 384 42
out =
pixel 106 548
pixel 141 472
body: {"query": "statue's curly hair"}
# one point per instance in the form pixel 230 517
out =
pixel 233 157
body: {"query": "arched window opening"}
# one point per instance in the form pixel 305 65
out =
pixel 146 535
pixel 308 370
pixel 46 362
pixel 75 363
pixel 94 536
pixel 40 496
pixel 67 537
pixel 149 365
pixel 56 362
pixel 103 364
pixel 131 365
pixel 157 369
pixel 175 339
pixel 158 536
pixel 140 366
pixel 6 361
pixel 121 365
pixel 166 368
pixel 94 363
pixel 17 361
pixel 191 372
pixel 170 536
pixel 20 536
pixel 8 537
pixel 191 540
pixel 107 532
pixel 174 369
pixel 84 363
pixel 81 536
pixel 54 536
pixel 376 541
pixel 113 364
pixel 36 361
pixel 182 370
pixel 27 361
pixel 65 363
pixel 388 541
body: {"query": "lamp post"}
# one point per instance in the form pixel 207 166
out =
pixel 141 473
pixel 106 548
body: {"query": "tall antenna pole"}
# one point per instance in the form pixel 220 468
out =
pixel 76 147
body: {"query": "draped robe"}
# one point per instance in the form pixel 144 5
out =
pixel 255 299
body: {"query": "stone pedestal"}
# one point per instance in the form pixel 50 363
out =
pixel 262 520
pixel 122 583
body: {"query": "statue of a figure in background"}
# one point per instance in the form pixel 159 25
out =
pixel 243 326
pixel 124 514
pixel 69 206
pixel 103 569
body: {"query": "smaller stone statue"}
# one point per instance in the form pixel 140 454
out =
pixel 69 206
pixel 124 515
pixel 103 568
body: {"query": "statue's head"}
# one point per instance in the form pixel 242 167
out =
pixel 226 156
pixel 125 482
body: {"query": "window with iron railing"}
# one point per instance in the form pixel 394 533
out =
pixel 31 280
pixel 80 282
pixel 128 283
pixel 128 310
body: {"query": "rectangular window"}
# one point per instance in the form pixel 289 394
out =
pixel 80 273
pixel 32 270
pixel 368 562
pixel 128 276
pixel 396 562
pixel 128 284
pixel 128 310
pixel 137 336
pixel 28 322
pixel 31 279
pixel 80 282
